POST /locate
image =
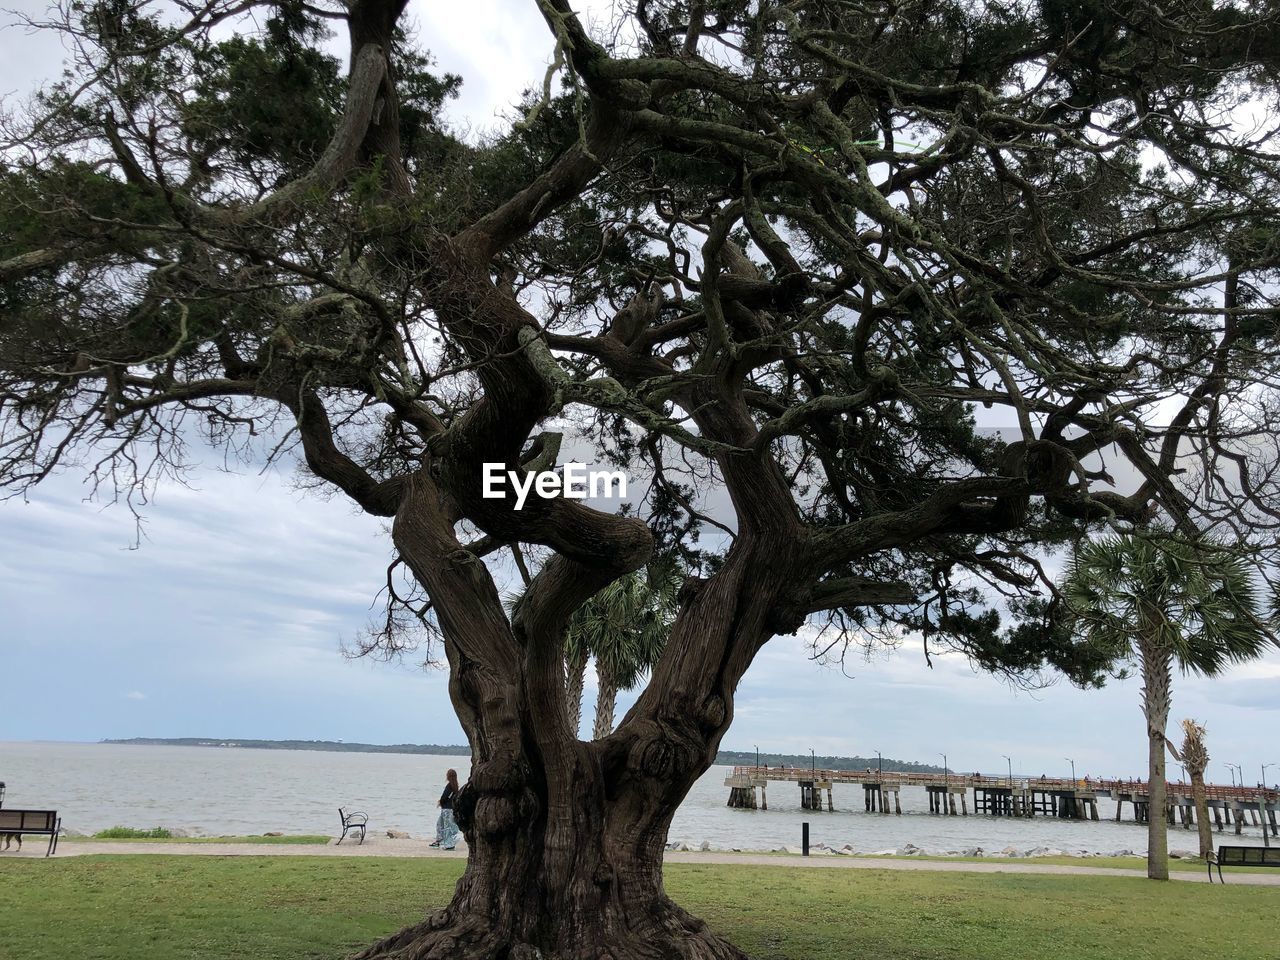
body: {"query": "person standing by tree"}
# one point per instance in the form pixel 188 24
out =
pixel 446 827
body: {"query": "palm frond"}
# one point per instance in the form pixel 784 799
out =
pixel 1199 601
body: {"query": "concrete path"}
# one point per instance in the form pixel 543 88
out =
pixel 379 847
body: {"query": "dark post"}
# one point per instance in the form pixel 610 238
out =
pixel 757 757
pixel 804 838
pixel 1262 806
pixel 880 762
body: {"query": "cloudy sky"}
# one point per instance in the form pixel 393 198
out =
pixel 228 617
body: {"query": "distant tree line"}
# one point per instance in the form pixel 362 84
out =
pixel 336 746
pixel 729 758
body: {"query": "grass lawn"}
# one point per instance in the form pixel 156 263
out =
pixel 1115 863
pixel 269 908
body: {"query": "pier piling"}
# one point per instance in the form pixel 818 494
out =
pixel 1005 797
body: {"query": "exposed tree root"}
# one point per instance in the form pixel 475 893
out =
pixel 667 933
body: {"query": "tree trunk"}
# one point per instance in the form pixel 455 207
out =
pixel 1202 814
pixel 606 701
pixel 565 838
pixel 574 678
pixel 568 877
pixel 1157 684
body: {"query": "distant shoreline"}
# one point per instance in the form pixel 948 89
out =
pixel 329 746
pixel 728 758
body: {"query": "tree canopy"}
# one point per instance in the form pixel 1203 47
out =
pixel 787 262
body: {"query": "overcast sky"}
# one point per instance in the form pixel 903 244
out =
pixel 227 620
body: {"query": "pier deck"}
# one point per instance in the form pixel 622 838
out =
pixel 1005 796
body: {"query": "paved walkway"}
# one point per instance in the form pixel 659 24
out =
pixel 378 847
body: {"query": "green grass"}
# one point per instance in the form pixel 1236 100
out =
pixel 1115 863
pixel 133 833
pixel 321 908
pixel 303 838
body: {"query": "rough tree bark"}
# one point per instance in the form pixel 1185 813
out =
pixel 575 677
pixel 1194 755
pixel 566 837
pixel 1203 828
pixel 606 701
pixel 1157 684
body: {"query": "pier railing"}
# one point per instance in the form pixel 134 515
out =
pixel 1213 791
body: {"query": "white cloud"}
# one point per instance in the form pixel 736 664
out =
pixel 236 602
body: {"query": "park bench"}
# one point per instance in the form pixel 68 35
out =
pixel 1243 857
pixel 355 820
pixel 14 823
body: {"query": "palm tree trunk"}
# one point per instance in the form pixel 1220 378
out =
pixel 606 698
pixel 1202 814
pixel 575 673
pixel 1157 695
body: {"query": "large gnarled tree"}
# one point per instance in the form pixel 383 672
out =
pixel 776 257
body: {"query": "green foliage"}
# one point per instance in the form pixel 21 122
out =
pixel 625 626
pixel 915 213
pixel 266 104
pixel 297 839
pixel 133 833
pixel 36 213
pixel 1198 601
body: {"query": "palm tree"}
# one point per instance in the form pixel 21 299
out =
pixel 1194 755
pixel 624 627
pixel 576 656
pixel 1157 600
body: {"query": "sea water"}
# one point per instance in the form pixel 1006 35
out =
pixel 221 791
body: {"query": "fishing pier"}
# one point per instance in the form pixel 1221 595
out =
pixel 949 793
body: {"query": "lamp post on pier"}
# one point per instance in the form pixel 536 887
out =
pixel 757 758
pixel 946 776
pixel 1262 805
pixel 1010 759
pixel 1073 770
pixel 1231 768
pixel 879 766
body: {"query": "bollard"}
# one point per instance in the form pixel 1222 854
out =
pixel 804 839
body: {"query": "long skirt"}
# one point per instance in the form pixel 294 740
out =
pixel 446 830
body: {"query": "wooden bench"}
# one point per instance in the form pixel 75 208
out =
pixel 1243 857
pixel 14 823
pixel 355 820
